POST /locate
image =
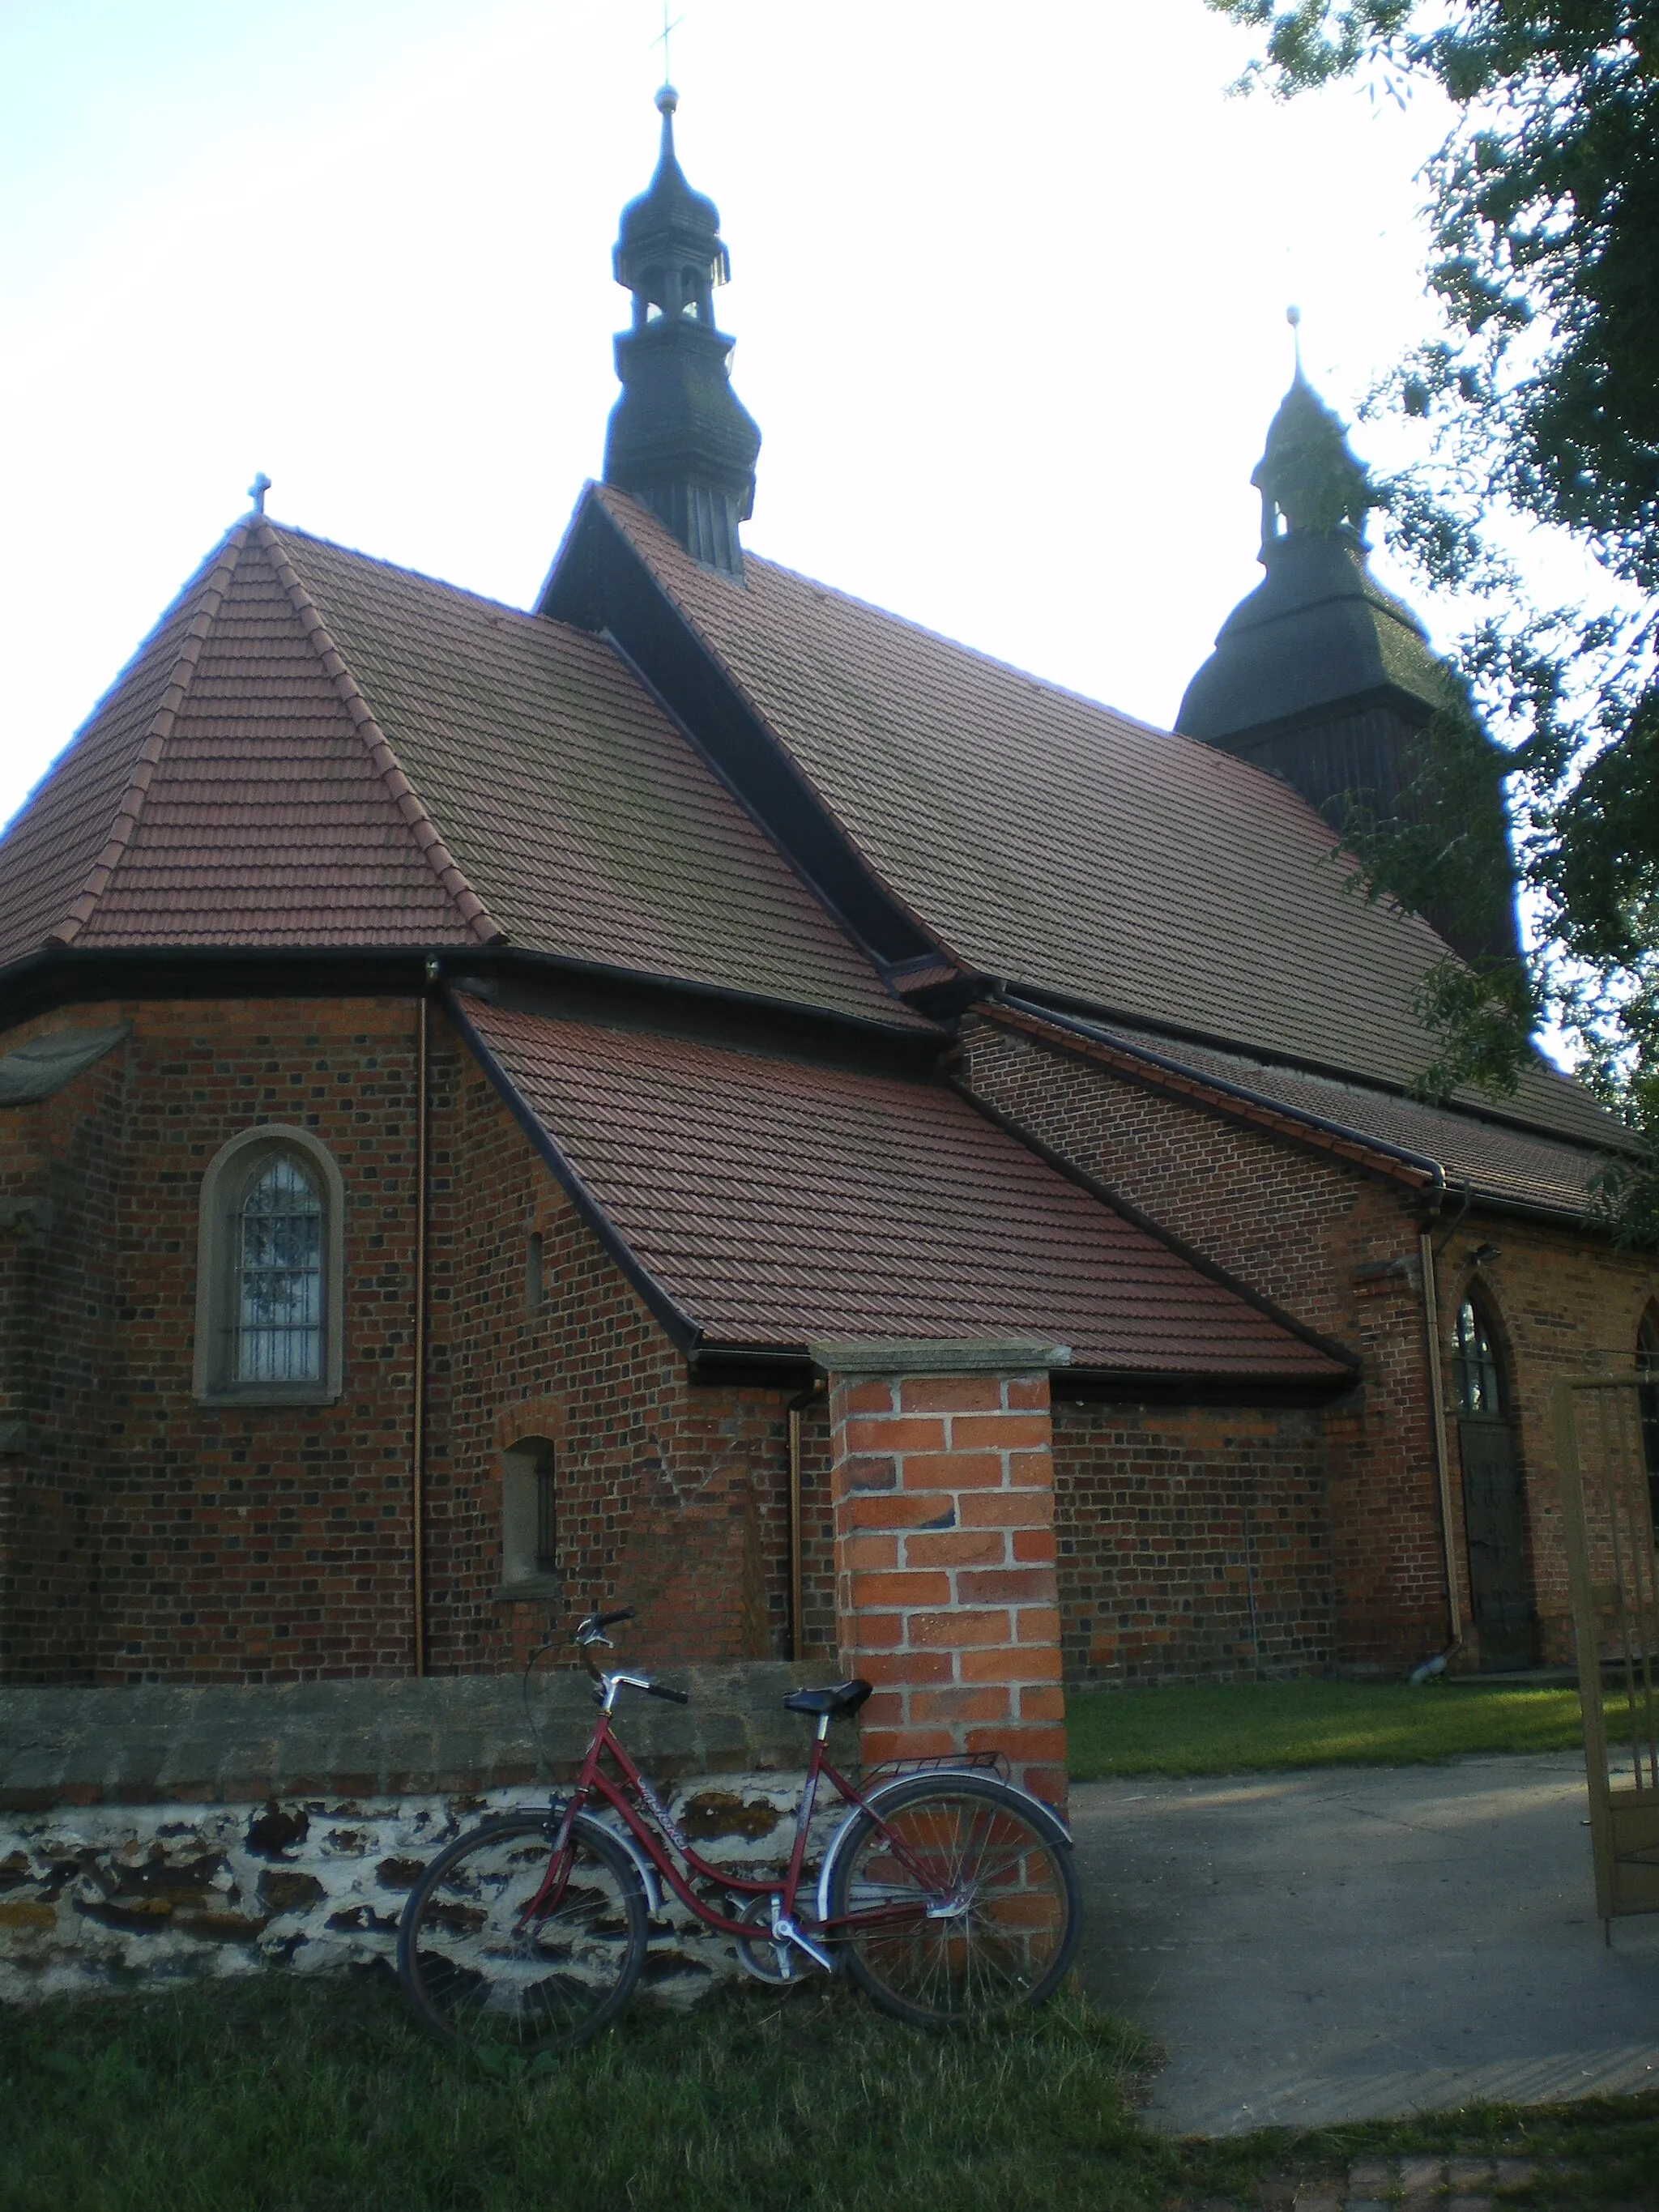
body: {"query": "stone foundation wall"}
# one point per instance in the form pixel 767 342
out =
pixel 160 1833
pixel 106 1896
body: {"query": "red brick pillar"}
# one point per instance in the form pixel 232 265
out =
pixel 942 1479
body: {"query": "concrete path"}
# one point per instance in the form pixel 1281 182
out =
pixel 1358 1943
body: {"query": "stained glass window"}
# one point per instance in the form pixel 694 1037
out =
pixel 1475 1379
pixel 279 1313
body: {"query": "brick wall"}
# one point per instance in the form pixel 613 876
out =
pixel 144 1536
pixel 1337 1249
pixel 1192 1541
pixel 223 1541
pixel 670 1497
pixel 1333 1247
pixel 60 1170
pixel 945 1557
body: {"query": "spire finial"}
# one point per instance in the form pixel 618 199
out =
pixel 257 491
pixel 1293 317
pixel 661 40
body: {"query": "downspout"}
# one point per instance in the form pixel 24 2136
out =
pixel 1437 1404
pixel 417 1440
pixel 797 1407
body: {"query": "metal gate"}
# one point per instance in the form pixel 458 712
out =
pixel 1608 1518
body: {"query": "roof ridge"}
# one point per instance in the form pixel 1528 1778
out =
pixel 287 530
pixel 595 494
pixel 976 654
pixel 479 922
pixel 176 691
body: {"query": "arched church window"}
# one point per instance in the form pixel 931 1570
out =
pixel 270 1273
pixel 1477 1380
pixel 279 1295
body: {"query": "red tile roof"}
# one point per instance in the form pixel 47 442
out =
pixel 265 807
pixel 315 749
pixel 777 1202
pixel 69 819
pixel 593 827
pixel 1067 848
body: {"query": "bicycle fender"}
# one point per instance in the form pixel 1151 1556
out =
pixel 1042 1813
pixel 649 1878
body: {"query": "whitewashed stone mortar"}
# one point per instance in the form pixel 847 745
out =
pixel 103 1897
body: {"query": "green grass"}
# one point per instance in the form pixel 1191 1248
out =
pixel 283 2095
pixel 1249 1726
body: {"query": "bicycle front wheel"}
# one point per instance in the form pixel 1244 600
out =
pixel 480 1969
pixel 969 1908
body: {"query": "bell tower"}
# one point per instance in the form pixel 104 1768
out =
pixel 679 440
pixel 1320 676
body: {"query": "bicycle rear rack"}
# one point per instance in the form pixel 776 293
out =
pixel 948 1762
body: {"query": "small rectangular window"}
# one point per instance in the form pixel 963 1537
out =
pixel 534 1285
pixel 530 1529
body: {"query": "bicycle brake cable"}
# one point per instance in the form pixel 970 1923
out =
pixel 528 1712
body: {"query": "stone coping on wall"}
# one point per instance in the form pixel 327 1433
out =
pixel 232 1744
pixel 937 1355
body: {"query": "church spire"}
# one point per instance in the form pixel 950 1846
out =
pixel 679 440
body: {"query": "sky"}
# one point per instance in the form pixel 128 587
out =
pixel 1008 293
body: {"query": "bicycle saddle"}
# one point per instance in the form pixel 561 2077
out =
pixel 845 1698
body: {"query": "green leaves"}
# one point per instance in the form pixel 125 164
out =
pixel 1540 403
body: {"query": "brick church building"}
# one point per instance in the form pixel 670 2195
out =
pixel 702 1092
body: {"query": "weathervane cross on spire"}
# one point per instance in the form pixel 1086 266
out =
pixel 662 39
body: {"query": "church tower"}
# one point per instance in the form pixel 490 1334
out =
pixel 679 438
pixel 1320 676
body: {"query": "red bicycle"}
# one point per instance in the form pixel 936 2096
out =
pixel 947 1893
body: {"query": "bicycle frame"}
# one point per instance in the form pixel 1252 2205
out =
pixel 659 1835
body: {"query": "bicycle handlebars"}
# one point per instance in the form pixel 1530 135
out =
pixel 597 1623
pixel 592 1631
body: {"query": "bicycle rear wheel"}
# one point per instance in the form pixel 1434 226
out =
pixel 979 1903
pixel 478 1971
